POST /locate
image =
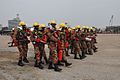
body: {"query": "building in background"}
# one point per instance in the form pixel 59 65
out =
pixel 0 27
pixel 112 29
pixel 14 22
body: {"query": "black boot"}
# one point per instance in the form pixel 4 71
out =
pixel 50 66
pixel 46 60
pixel 72 52
pixel 80 56
pixel 75 56
pixel 95 50
pixel 42 62
pixel 36 64
pixel 90 52
pixel 40 66
pixel 67 64
pixel 60 64
pixel 57 69
pixel 20 63
pixel 83 55
pixel 67 54
pixel 25 60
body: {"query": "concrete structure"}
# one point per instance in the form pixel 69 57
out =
pixel 0 26
pixel 113 29
pixel 14 22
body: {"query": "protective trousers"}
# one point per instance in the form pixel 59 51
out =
pixel 23 49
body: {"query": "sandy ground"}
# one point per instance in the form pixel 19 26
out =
pixel 103 65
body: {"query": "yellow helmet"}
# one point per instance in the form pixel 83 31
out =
pixel 53 22
pixel 90 28
pixel 77 27
pixel 58 28
pixel 84 27
pixel 62 25
pixel 87 27
pixel 42 25
pixel 69 29
pixel 81 28
pixel 22 23
pixel 73 28
pixel 35 24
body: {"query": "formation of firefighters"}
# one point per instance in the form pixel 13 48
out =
pixel 60 40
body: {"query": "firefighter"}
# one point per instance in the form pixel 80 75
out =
pixel 95 33
pixel 20 37
pixel 64 29
pixel 67 37
pixel 42 28
pixel 83 42
pixel 77 43
pixel 93 38
pixel 62 47
pixel 72 39
pixel 88 40
pixel 36 40
pixel 52 44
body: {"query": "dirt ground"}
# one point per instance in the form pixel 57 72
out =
pixel 103 65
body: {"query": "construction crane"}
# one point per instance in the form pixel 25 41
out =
pixel 111 21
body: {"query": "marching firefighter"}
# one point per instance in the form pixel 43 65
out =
pixel 67 36
pixel 93 39
pixel 83 42
pixel 62 47
pixel 94 33
pixel 20 38
pixel 42 28
pixel 64 29
pixel 72 39
pixel 36 40
pixel 76 43
pixel 88 40
pixel 52 44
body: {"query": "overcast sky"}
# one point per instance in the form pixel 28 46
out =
pixel 83 12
